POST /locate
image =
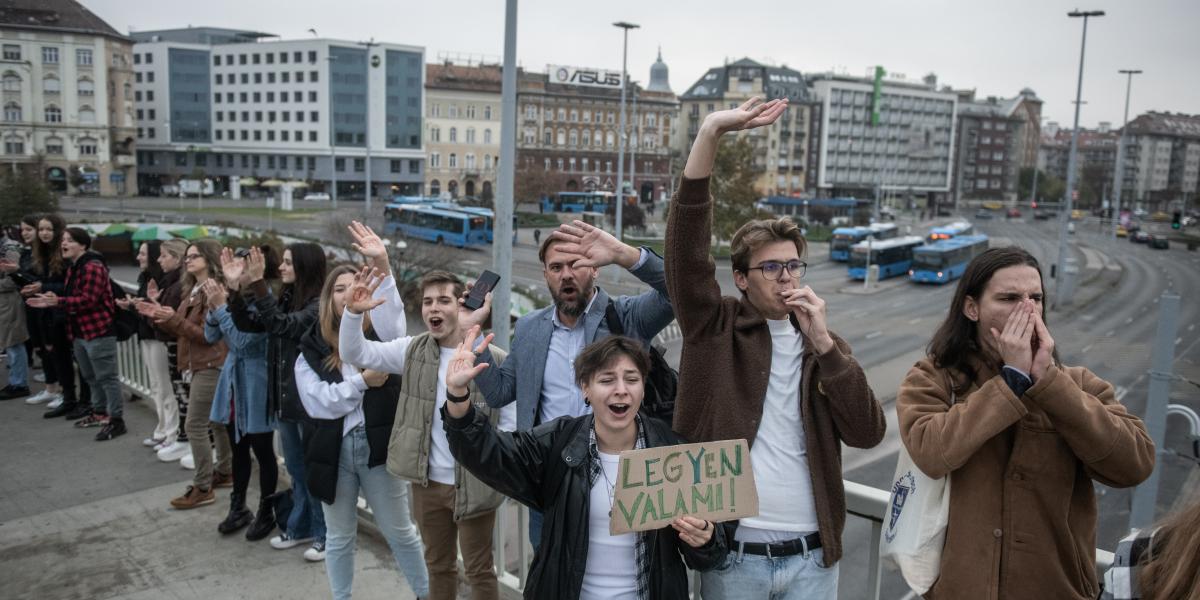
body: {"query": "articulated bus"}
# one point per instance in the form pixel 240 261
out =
pixel 435 225
pixel 845 237
pixel 893 256
pixel 946 260
pixel 577 202
pixel 954 229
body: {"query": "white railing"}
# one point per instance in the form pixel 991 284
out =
pixel 511 549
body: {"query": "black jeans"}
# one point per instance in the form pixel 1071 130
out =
pixel 262 444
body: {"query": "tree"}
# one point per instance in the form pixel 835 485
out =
pixel 1092 184
pixel 532 183
pixel 732 184
pixel 1049 187
pixel 24 192
pixel 632 216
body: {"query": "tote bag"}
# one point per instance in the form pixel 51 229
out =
pixel 914 532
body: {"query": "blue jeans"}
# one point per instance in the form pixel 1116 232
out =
pixel 753 577
pixel 307 519
pixel 387 495
pixel 97 360
pixel 535 528
pixel 18 366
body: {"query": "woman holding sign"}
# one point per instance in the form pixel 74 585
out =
pixel 567 468
pixel 1021 436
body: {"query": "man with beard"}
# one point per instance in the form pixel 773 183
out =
pixel 539 374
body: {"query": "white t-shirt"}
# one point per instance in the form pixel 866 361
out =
pixel 785 496
pixel 611 572
pixel 441 462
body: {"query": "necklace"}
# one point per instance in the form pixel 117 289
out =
pixel 611 488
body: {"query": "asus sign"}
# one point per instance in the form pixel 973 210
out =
pixel 588 77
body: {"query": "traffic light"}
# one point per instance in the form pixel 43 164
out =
pixel 1176 220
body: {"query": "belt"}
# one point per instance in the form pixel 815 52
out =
pixel 802 545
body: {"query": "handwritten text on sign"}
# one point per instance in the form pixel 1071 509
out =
pixel 712 481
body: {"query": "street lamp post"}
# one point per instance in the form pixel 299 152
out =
pixel 369 44
pixel 1065 218
pixel 1118 175
pixel 332 157
pixel 621 135
pixel 505 200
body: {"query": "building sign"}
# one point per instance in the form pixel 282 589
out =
pixel 711 481
pixel 580 76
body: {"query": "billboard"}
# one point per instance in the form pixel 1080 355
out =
pixel 600 78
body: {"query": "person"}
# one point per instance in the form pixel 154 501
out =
pixel 1021 436
pixel 537 374
pixel 201 361
pixel 87 299
pixel 352 411
pixel 33 347
pixel 454 510
pixel 153 351
pixel 50 271
pixel 566 469
pixel 240 404
pixel 537 237
pixel 286 319
pixel 14 332
pixel 176 446
pixel 1159 562
pixel 765 367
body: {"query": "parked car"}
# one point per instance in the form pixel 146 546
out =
pixel 1122 231
pixel 983 214
pixel 1140 237
pixel 1077 215
pixel 1014 213
pixel 1159 242
pixel 1042 215
pixel 317 197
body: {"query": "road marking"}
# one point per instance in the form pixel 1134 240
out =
pixel 1110 333
pixel 1178 340
pixel 1086 348
pixel 1120 392
pixel 874 334
pixel 1129 320
pixel 918 320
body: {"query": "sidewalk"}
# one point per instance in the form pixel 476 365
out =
pixel 87 519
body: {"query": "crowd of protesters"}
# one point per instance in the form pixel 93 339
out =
pixel 434 430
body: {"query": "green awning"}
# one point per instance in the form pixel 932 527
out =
pixel 190 233
pixel 146 234
pixel 118 229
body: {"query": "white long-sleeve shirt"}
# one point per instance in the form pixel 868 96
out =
pixel 324 400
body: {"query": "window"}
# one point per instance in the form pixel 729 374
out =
pixel 530 111
pixel 435 160
pixel 470 111
pixel 149 95
pixel 529 135
pixel 360 165
pixel 574 116
pixel 12 52
pixel 271 97
pixel 487 113
pixel 219 78
pixel 585 164
pixel 150 76
pixel 53 114
pixel 312 116
pixel 312 75
pixel 574 138
pixel 270 58
pixel 312 56
pixel 256 58
pixel 312 96
pixel 487 136
pixel 299 116
pixel 51 85
pixel 453 134
pixel 245 78
pixel 559 164
pixel 14 145
pixel 395 166
pixel 149 58
pixel 562 114
pixel 414 165
pixel 83 58
pixel 561 137
pixel 150 114
pixel 137 77
pixel 12 111
pixel 546 165
pixel 271 157
pixel 87 115
pixel 12 82
pixel 150 132
pixel 50 55
pixel 285 77
pixel 270 135
pixel 547 137
pixel 287 116
pixel 471 135
pixel 258 78
pixel 271 75
pixel 453 111
pixel 453 160
pixel 297 96
pixel 299 76
pixel 609 139
pixel 586 137
pixel 54 146
pixel 87 147
pixel 470 159
pixel 312 136
pixel 435 134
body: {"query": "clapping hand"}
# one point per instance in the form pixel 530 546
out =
pixel 43 300
pixel 152 291
pixel 215 294
pixel 256 265
pixel 368 244
pixel 361 298
pixel 232 268
pixel 595 247
pixel 462 370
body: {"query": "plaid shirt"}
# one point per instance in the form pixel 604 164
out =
pixel 1121 579
pixel 88 299
pixel 640 547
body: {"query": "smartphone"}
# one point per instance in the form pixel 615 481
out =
pixel 486 283
pixel 20 278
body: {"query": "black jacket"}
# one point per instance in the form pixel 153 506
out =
pixel 286 329
pixel 547 470
pixel 323 437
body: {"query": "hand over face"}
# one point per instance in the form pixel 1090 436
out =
pixel 1015 343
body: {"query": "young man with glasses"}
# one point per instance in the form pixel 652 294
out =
pixel 765 367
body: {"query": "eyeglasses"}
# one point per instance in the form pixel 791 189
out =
pixel 771 269
pixel 191 257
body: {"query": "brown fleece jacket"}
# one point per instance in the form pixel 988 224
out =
pixel 726 364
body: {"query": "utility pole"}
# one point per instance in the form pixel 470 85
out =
pixel 621 135
pixel 505 201
pixel 1118 168
pixel 1062 293
pixel 367 84
pixel 332 157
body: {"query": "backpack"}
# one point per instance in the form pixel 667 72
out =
pixel 661 381
pixel 125 322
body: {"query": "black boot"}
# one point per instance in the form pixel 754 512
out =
pixel 63 410
pixel 264 521
pixel 239 516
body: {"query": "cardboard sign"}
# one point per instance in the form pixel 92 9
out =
pixel 712 481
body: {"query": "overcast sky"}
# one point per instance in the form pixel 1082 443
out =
pixel 995 47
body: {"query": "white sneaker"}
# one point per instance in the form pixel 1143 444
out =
pixel 152 442
pixel 174 452
pixel 39 377
pixel 40 397
pixel 284 541
pixel 167 443
pixel 188 461
pixel 316 552
pixel 56 402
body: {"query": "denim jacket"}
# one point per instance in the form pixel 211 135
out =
pixel 242 388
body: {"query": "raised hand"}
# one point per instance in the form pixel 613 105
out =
pixel 361 298
pixel 809 310
pixel 215 294
pixel 468 318
pixel 1043 354
pixel 368 244
pixel 233 268
pixel 594 246
pixel 751 114
pixel 1015 343
pixel 462 370
pixel 694 532
pixel 256 264
pixel 152 291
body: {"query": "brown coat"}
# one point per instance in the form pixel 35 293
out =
pixel 195 353
pixel 726 364
pixel 1022 508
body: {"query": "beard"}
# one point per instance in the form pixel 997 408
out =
pixel 573 309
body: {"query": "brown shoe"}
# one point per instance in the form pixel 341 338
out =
pixel 194 497
pixel 222 480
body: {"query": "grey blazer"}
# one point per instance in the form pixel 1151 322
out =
pixel 519 377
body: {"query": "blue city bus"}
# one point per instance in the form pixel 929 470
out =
pixel 954 229
pixel 845 237
pixel 436 225
pixel 577 202
pixel 893 256
pixel 945 260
